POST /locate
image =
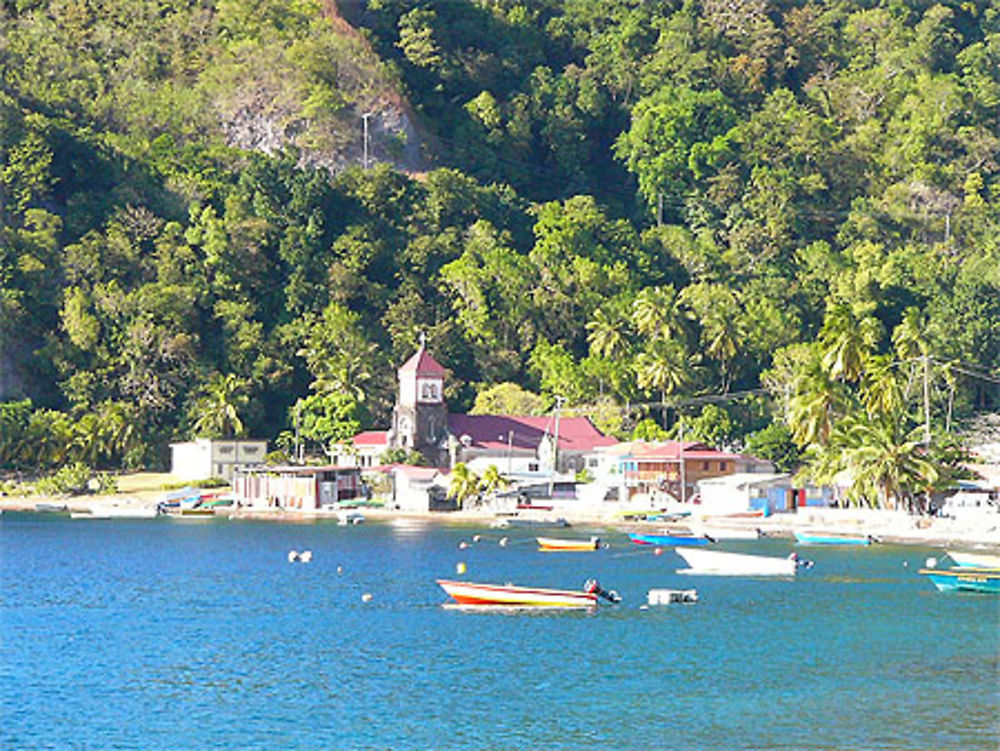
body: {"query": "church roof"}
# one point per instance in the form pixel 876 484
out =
pixel 497 432
pixel 372 438
pixel 423 364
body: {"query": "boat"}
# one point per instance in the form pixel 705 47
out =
pixel 980 560
pixel 671 596
pixel 515 522
pixel 728 533
pixel 717 563
pixel 823 538
pixel 512 596
pixel 667 540
pixel 115 511
pixel 552 544
pixel 964 579
pixel 350 517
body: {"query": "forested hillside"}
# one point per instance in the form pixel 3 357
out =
pixel 621 203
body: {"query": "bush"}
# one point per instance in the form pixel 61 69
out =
pixel 70 480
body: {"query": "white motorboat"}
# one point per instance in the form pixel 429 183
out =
pixel 717 563
pixel 979 560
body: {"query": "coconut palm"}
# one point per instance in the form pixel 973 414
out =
pixel 464 484
pixel 492 480
pixel 882 387
pixel 220 406
pixel 656 313
pixel 886 460
pixel 847 342
pixel 606 335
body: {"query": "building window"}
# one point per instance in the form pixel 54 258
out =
pixel 532 466
pixel 722 466
pixel 705 465
pixel 592 462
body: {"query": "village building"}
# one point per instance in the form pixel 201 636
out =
pixel 766 492
pixel 205 458
pixel 299 488
pixel 519 446
pixel 656 474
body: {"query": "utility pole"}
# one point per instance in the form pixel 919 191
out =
pixel 510 452
pixel 555 447
pixel 680 453
pixel 364 119
pixel 927 401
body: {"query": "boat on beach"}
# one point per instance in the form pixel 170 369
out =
pixel 824 538
pixel 667 539
pixel 964 579
pixel 727 533
pixel 718 563
pixel 512 596
pixel 981 560
pixel 559 544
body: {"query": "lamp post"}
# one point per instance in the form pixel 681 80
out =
pixel 364 119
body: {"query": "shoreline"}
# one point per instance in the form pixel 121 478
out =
pixel 894 527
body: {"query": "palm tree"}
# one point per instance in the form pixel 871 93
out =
pixel 721 335
pixel 816 402
pixel 881 388
pixel 492 480
pixel 464 484
pixel 847 341
pixel 656 313
pixel 885 460
pixel 664 367
pixel 606 337
pixel 220 406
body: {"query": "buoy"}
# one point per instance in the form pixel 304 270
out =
pixel 658 551
pixel 463 545
pixel 340 569
pixel 477 538
pixel 906 564
pixel 305 556
pixel 460 568
pixel 293 556
pixel 931 562
pixel 503 542
pixel 366 597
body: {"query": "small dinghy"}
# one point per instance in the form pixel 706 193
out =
pixel 717 563
pixel 560 544
pixel 512 596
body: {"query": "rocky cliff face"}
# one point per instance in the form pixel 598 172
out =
pixel 273 107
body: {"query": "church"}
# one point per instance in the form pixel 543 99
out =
pixel 527 446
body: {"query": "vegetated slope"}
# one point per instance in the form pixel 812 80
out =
pixel 252 75
pixel 646 201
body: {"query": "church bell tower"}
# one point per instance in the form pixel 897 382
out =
pixel 420 417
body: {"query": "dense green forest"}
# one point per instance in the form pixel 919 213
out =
pixel 625 203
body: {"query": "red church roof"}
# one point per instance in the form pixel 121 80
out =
pixel 495 431
pixel 423 364
pixel 371 438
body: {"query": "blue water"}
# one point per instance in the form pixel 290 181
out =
pixel 166 634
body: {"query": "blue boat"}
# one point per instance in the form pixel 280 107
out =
pixel 965 579
pixel 667 539
pixel 810 538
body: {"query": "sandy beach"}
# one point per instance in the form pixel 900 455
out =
pixel 975 532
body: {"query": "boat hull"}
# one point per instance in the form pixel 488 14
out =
pixel 716 563
pixel 808 538
pixel 666 540
pixel 555 544
pixel 965 579
pixel 981 560
pixel 509 595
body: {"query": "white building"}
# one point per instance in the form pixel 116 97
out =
pixel 741 492
pixel 204 458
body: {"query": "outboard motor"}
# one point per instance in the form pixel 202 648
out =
pixel 591 586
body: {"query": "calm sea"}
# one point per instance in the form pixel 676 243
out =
pixel 166 634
